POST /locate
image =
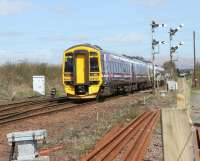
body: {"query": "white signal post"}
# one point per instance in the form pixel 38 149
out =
pixel 153 45
pixel 172 33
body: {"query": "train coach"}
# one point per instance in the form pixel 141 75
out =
pixel 90 72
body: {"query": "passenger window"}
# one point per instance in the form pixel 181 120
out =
pixel 124 68
pixel 94 65
pixel 69 64
pixel 112 68
pixel 115 67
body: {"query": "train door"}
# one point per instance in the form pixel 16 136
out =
pixel 80 68
pixel 133 71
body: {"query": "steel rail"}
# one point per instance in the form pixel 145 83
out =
pixel 15 110
pixel 43 109
pixel 38 101
pixel 140 128
pixel 147 141
pixel 33 109
pixel 9 106
pixel 107 142
pixel 197 144
pixel 137 147
pixel 30 100
pixel 112 152
pixel 37 112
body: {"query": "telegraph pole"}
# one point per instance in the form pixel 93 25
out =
pixel 194 47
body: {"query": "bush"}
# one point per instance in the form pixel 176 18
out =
pixel 16 79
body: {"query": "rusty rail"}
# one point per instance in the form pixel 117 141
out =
pixel 197 144
pixel 129 143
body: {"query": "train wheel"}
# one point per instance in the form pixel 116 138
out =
pixel 100 98
pixel 124 92
pixel 132 90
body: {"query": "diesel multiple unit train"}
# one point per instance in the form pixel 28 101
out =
pixel 90 72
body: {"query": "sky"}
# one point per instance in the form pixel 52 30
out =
pixel 39 31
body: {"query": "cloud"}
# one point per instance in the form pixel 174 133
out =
pixel 13 6
pixel 55 38
pixel 79 37
pixel 11 34
pixel 40 55
pixel 148 3
pixel 60 9
pixel 130 38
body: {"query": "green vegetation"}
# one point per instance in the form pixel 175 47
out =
pixel 16 79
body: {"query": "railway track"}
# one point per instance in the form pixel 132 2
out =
pixel 16 107
pixel 27 109
pixel 128 143
pixel 28 102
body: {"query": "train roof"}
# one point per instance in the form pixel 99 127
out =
pixel 122 57
pixel 100 49
pixel 88 45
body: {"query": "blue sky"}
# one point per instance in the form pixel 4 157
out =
pixel 40 31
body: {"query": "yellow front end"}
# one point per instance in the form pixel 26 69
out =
pixel 82 72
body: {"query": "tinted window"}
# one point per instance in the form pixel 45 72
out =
pixel 69 65
pixel 94 65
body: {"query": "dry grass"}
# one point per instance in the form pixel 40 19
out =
pixel 83 137
pixel 16 79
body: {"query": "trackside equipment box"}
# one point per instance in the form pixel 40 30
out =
pixel 39 84
pixel 172 85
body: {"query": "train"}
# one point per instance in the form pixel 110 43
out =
pixel 90 72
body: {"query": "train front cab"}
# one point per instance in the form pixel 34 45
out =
pixel 82 72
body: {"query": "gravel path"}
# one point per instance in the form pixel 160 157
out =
pixel 195 106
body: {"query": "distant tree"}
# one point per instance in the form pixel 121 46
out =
pixel 170 67
pixel 178 71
